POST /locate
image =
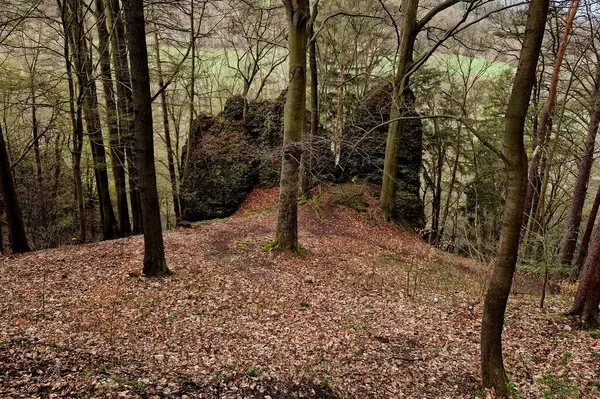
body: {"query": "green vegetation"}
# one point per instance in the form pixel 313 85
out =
pixel 558 387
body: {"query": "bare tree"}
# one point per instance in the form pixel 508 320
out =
pixel 294 125
pixel 14 216
pixel 154 253
pixel 515 158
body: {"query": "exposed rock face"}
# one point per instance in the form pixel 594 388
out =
pixel 229 157
pixel 363 152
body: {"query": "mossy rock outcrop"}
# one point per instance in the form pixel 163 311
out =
pixel 230 156
pixel 237 150
pixel 222 171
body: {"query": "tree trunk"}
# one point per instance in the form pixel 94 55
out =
pixel 125 107
pixel 587 235
pixel 14 217
pixel 34 130
pixel 336 145
pixel 390 168
pixel 492 366
pixel 83 64
pixel 167 130
pixel 188 153
pixel 76 122
pixel 307 170
pixel 544 127
pixel 452 181
pixel 573 222
pixel 154 253
pixel 294 125
pixel 436 203
pixel 117 156
pixel 587 298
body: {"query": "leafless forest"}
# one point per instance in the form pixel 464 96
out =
pixel 299 198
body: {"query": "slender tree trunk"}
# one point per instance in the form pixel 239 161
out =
pixel 541 219
pixel 188 153
pixel 569 240
pixel 83 63
pixel 116 155
pixel 544 127
pixel 307 169
pixel 294 125
pixel 437 190
pixel 125 107
pixel 35 129
pixel 492 366
pixel 390 168
pixel 587 298
pixel 452 182
pixel 167 130
pixel 76 122
pixel 532 228
pixel 14 217
pixel 587 235
pixel 154 253
pixel 58 146
pixel 339 121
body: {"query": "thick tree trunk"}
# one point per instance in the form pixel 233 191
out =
pixel 294 125
pixel 167 130
pixel 587 298
pixel 573 222
pixel 14 217
pixel 125 107
pixel 117 156
pixel 585 240
pixel 390 167
pixel 154 253
pixel 545 125
pixel 492 366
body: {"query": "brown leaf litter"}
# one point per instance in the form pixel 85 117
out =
pixel 384 315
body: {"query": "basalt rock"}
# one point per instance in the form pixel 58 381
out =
pixel 231 155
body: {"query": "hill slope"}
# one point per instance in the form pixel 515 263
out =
pixel 237 321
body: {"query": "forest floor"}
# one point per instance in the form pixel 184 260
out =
pixel 365 312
